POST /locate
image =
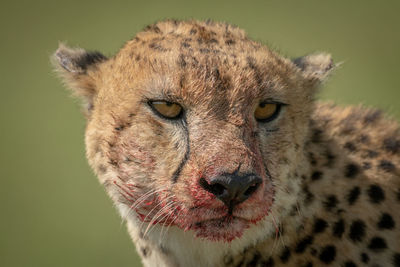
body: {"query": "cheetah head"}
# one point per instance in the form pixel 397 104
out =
pixel 193 125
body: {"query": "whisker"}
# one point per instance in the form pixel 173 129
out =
pixel 298 209
pixel 123 191
pixel 155 217
pixel 143 198
pixel 144 220
pixel 173 221
pixel 171 212
pixel 276 233
pixel 139 201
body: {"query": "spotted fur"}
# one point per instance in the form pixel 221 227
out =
pixel 330 194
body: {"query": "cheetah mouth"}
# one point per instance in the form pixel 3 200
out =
pixel 225 229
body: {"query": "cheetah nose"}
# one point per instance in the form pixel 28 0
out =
pixel 232 189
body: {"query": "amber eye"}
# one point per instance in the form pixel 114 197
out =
pixel 166 109
pixel 266 112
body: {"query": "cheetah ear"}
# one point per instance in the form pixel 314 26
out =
pixel 315 67
pixel 78 69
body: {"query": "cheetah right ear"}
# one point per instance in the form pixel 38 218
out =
pixel 315 67
pixel 79 71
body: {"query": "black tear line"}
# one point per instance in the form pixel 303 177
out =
pixel 178 171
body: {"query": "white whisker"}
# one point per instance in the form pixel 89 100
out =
pixel 156 216
pixel 144 220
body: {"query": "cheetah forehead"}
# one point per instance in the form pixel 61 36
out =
pixel 196 61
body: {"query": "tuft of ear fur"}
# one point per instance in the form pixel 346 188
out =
pixel 315 67
pixel 77 68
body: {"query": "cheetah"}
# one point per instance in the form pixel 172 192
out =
pixel 215 152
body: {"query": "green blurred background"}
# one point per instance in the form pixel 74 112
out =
pixel 53 211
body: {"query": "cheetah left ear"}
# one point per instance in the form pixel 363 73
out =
pixel 79 71
pixel 315 67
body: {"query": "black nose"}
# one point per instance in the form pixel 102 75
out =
pixel 232 189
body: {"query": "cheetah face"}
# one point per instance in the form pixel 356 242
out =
pixel 195 126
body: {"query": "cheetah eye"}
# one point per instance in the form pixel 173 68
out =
pixel 166 109
pixel 266 112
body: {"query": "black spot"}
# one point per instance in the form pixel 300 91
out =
pixel 302 245
pixel 330 159
pixel 137 58
pixel 152 28
pixel 370 154
pixel 316 136
pixel 119 128
pixel 185 44
pixel 230 42
pixel 182 81
pixel 386 221
pixel 285 255
pixel 193 31
pixel 293 210
pixel 102 168
pixel 308 264
pixel 228 260
pixel 111 144
pixel 213 41
pixel 351 170
pixel 158 47
pixel 309 197
pixel 372 116
pixel 312 159
pixel 251 62
pixel 366 165
pixel 350 146
pixel 328 254
pixel 396 260
pixel 256 258
pixel 268 263
pixel 145 251
pixel 353 195
pixel 331 202
pixel 113 162
pixel 386 165
pixel 364 139
pixel 181 61
pixel 377 244
pixel 364 257
pixel 391 144
pixel 316 175
pixel 349 264
pixel 319 226
pixel 357 231
pixel 376 194
pixel 348 127
pixel 204 50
